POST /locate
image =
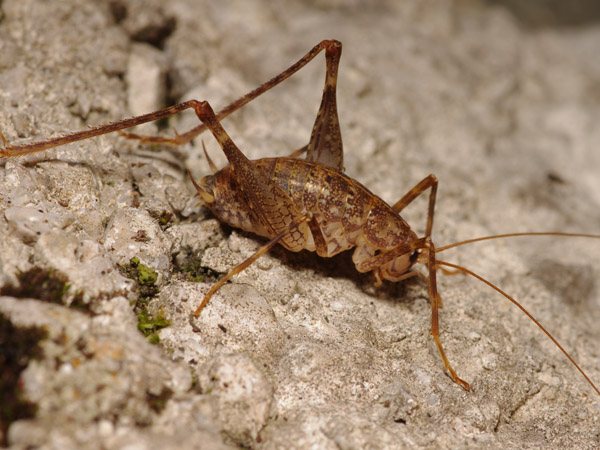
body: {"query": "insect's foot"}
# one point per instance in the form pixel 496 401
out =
pixel 462 383
pixel 197 312
pixel 206 299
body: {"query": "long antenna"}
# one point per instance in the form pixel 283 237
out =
pixel 500 236
pixel 521 307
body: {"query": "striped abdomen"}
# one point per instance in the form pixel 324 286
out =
pixel 347 214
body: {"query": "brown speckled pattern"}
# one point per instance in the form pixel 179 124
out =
pixel 347 214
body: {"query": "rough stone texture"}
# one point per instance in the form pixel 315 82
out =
pixel 504 114
pixel 241 393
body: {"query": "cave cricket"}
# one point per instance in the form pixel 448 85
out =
pixel 309 203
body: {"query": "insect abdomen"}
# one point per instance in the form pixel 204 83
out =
pixel 348 214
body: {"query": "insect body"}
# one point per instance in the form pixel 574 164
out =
pixel 308 203
pixel 344 214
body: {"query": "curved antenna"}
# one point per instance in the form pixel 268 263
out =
pixel 521 307
pixel 500 236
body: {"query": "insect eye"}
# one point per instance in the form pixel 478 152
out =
pixel 414 256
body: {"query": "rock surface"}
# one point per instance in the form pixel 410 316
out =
pixel 298 351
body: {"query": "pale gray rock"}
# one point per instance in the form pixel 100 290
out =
pixel 504 114
pixel 132 233
pixel 94 368
pixel 241 393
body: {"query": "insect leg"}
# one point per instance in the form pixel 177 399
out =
pixel 33 147
pixel 318 238
pixel 325 144
pixel 430 181
pixel 428 249
pixel 426 245
pixel 240 267
pixel 299 152
pixel 272 206
pixel 186 137
pixel 435 299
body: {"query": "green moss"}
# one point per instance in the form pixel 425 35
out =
pixel 19 346
pixel 190 265
pixel 149 324
pixel 144 276
pixel 165 218
pixel 194 270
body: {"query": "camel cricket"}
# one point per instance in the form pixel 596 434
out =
pixel 309 204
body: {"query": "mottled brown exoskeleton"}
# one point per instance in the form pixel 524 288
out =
pixel 308 204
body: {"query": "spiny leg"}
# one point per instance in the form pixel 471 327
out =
pixel 325 144
pixel 428 253
pixel 186 137
pixel 180 139
pixel 435 300
pixel 428 249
